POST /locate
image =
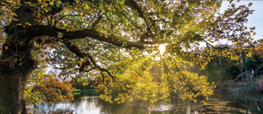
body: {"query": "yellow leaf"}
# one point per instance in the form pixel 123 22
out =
pixel 249 54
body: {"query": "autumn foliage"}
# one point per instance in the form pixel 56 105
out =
pixel 114 42
pixel 259 48
pixel 49 90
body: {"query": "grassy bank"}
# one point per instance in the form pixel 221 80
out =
pixel 85 91
pixel 241 88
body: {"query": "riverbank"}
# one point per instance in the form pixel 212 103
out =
pixel 85 91
pixel 238 88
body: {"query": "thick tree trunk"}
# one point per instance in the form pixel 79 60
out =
pixel 17 62
pixel 12 86
pixel 14 73
pixel 15 69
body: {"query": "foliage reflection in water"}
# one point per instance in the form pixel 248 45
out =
pixel 89 104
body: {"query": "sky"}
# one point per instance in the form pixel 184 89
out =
pixel 255 19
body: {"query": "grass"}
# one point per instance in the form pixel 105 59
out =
pixel 79 91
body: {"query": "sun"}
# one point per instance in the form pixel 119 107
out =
pixel 162 48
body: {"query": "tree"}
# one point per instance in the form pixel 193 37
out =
pixel 45 88
pixel 49 90
pixel 229 26
pixel 101 38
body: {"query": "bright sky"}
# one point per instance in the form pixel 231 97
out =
pixel 255 19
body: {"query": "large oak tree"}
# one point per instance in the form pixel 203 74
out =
pixel 112 40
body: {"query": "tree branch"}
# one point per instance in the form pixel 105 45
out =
pixel 89 69
pixel 86 70
pixel 97 21
pixel 86 63
pixel 134 6
pixel 73 48
pixel 40 30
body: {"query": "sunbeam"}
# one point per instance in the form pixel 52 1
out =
pixel 162 48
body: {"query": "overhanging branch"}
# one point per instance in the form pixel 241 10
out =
pixel 40 30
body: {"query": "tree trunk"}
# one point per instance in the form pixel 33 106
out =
pixel 15 69
pixel 12 86
pixel 244 63
pixel 17 62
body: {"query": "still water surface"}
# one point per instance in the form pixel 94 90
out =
pixel 218 104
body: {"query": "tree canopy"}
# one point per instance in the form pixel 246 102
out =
pixel 116 42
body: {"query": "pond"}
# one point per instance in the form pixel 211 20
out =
pixel 218 104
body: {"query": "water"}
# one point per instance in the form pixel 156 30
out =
pixel 218 104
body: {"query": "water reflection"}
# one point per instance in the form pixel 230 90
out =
pixel 83 104
pixel 88 104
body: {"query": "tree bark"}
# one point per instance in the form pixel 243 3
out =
pixel 12 86
pixel 17 62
